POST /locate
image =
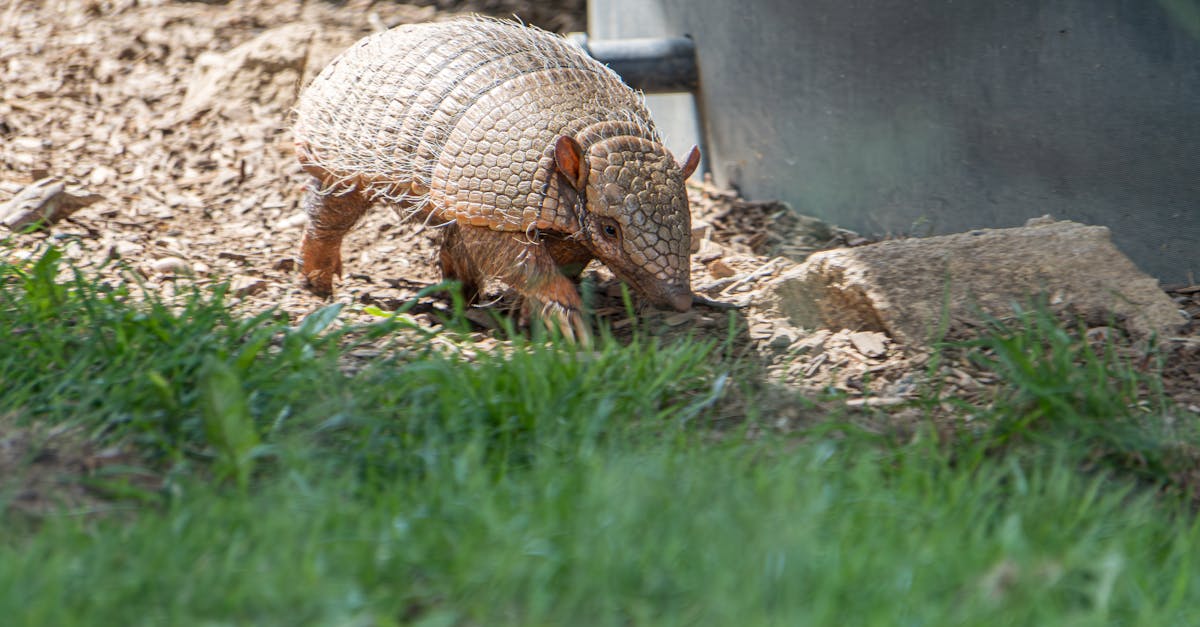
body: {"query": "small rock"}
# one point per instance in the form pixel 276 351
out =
pixel 29 144
pixel 101 175
pixel 708 251
pixel 814 343
pixel 45 201
pixel 170 265
pixel 906 386
pixel 782 339
pixel 875 401
pixel 243 285
pixel 869 343
pixel 700 231
pixel 123 249
pixel 720 270
pixel 293 221
pixel 761 330
pixel 285 264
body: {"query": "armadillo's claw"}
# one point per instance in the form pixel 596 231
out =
pixel 319 283
pixel 582 334
pixel 569 322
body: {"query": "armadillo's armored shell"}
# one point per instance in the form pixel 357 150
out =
pixel 460 118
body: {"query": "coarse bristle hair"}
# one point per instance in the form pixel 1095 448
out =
pixel 380 118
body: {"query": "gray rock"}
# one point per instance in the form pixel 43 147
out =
pixel 170 266
pixel 915 290
pixel 46 201
pixel 869 343
pixel 243 285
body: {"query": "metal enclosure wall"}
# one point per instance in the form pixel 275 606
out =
pixel 934 116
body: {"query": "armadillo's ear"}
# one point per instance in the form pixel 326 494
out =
pixel 689 164
pixel 568 157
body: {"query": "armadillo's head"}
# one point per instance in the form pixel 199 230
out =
pixel 636 219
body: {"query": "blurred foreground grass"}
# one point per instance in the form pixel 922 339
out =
pixel 542 485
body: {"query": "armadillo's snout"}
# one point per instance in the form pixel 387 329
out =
pixel 681 300
pixel 676 295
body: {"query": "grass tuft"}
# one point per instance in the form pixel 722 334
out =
pixel 1059 391
pixel 135 366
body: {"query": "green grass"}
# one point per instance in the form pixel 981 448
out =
pixel 550 486
pixel 1094 401
pixel 661 535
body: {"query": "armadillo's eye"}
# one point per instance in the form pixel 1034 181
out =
pixel 609 229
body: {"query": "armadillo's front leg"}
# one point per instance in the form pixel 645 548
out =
pixel 557 302
pixel 330 216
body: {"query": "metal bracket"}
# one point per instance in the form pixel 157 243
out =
pixel 654 65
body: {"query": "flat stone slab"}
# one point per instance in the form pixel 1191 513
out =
pixel 916 290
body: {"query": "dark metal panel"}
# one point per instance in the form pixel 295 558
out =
pixel 933 116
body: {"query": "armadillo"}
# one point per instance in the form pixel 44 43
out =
pixel 535 159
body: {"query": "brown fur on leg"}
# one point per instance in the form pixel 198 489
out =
pixel 570 257
pixel 330 216
pixel 457 264
pixel 473 254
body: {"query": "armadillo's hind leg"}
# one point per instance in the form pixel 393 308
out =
pixel 458 263
pixel 330 216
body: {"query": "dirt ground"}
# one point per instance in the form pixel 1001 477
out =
pixel 174 117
